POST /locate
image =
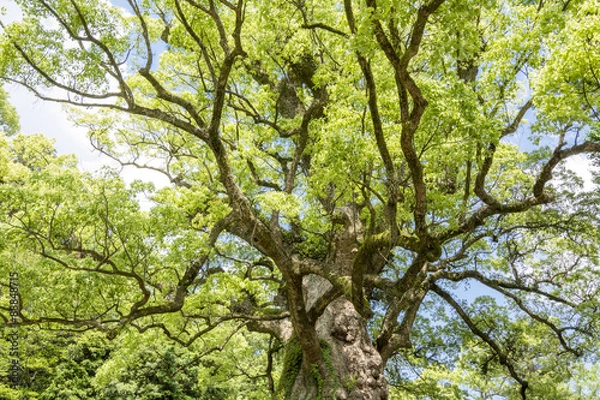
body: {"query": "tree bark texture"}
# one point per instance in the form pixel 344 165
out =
pixel 354 366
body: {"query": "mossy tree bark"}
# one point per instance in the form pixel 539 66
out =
pixel 353 367
pixel 355 370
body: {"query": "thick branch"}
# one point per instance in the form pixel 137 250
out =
pixel 558 156
pixel 170 97
pixel 410 122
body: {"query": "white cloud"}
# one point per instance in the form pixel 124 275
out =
pixel 13 12
pixel 582 166
pixel 51 120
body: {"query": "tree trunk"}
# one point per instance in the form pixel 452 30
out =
pixel 355 368
pixel 354 365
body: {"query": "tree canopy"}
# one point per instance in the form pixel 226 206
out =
pixel 377 189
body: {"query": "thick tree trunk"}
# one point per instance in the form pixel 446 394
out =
pixel 354 365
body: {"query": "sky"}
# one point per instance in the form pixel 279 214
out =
pixel 49 119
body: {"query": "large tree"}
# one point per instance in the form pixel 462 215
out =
pixel 338 170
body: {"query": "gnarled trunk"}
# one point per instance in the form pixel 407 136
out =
pixel 355 366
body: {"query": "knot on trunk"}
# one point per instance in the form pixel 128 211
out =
pixel 345 328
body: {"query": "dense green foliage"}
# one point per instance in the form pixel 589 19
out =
pixel 9 120
pixel 66 366
pixel 399 166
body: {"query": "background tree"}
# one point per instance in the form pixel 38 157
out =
pixel 339 170
pixel 69 365
pixel 78 364
pixel 9 120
